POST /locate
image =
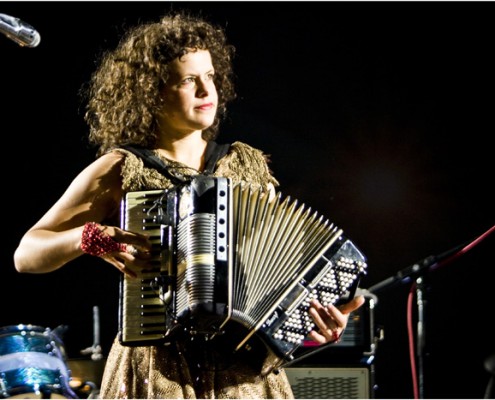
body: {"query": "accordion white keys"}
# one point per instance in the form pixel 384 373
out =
pixel 226 254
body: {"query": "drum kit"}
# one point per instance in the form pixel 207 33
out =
pixel 34 365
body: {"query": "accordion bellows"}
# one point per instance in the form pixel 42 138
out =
pixel 225 253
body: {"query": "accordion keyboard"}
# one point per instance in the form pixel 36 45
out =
pixel 142 312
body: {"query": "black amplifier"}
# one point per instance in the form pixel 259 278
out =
pixel 351 382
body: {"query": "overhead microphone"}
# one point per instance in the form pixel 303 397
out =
pixel 20 32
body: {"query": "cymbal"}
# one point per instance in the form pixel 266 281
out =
pixel 83 370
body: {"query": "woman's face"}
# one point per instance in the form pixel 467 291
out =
pixel 190 97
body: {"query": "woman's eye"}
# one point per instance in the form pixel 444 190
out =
pixel 188 80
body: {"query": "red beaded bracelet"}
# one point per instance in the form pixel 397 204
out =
pixel 96 242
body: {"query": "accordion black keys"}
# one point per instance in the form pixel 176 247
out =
pixel 226 254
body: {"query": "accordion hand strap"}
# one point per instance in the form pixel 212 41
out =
pixel 214 152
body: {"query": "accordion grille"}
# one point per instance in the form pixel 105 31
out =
pixel 195 261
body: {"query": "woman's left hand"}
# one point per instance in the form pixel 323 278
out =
pixel 331 320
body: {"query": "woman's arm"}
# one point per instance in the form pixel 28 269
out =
pixel 93 196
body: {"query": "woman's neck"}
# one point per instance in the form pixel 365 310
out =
pixel 188 150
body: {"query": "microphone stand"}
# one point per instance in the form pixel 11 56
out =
pixel 420 337
pixel 416 272
pixel 95 349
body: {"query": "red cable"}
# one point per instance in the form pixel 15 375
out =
pixel 410 297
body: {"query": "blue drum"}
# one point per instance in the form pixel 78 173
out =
pixel 33 364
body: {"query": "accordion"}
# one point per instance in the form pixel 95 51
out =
pixel 226 254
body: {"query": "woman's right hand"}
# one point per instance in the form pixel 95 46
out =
pixel 133 255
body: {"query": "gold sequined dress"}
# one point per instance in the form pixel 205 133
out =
pixel 189 368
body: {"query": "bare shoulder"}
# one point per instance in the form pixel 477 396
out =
pixel 102 176
pixel 105 167
pixel 93 195
pixel 107 162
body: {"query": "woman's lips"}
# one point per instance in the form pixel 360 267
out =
pixel 207 106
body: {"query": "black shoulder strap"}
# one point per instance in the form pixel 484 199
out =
pixel 213 153
pixel 152 161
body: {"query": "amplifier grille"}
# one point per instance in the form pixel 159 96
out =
pixel 325 383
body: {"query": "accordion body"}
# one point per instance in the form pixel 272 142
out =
pixel 229 254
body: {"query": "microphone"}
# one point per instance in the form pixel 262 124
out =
pixel 20 32
pixel 405 275
pixel 429 263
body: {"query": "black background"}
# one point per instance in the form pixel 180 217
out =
pixel 378 115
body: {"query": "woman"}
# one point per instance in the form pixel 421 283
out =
pixel 164 89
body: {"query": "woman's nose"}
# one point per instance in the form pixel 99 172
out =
pixel 202 89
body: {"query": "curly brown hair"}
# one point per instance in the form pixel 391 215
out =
pixel 124 92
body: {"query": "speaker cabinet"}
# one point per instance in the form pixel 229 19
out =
pixel 342 370
pixel 330 383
